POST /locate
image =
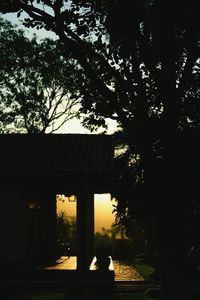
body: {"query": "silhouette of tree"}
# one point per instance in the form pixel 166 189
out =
pixel 39 83
pixel 66 227
pixel 66 234
pixel 132 208
pixel 144 72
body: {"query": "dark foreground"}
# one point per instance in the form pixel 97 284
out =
pixel 71 295
pixel 120 292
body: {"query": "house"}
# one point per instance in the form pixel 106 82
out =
pixel 34 169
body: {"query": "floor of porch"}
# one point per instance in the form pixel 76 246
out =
pixel 123 271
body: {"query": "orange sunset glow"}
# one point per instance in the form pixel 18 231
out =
pixel 103 207
pixel 103 216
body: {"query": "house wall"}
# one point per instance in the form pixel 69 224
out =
pixel 27 235
pixel 45 237
pixel 12 224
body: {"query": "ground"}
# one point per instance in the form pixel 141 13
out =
pixel 56 295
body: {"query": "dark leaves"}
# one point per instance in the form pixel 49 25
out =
pixel 9 6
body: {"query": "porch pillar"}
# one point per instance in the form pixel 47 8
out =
pixel 85 229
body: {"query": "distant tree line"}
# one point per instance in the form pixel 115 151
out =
pixel 39 83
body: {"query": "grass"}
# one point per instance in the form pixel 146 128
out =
pixel 145 269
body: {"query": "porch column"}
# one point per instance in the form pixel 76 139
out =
pixel 85 228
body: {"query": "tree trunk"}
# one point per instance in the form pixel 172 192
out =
pixel 169 204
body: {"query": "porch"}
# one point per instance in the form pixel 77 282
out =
pixel 34 169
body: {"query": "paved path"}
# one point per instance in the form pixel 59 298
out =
pixel 125 272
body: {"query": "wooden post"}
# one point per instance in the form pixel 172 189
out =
pixel 85 228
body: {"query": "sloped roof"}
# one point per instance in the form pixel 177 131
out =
pixel 21 153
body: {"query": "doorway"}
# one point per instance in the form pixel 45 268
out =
pixel 66 224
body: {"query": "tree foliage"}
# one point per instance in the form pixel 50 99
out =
pixel 39 83
pixel 128 63
pixel 66 227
